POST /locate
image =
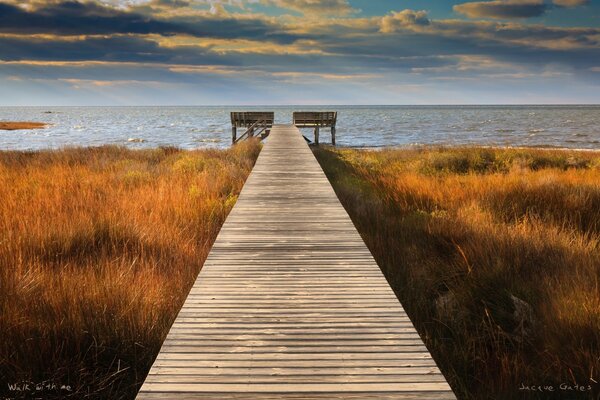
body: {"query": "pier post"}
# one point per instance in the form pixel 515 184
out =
pixel 233 134
pixel 316 135
pixel 333 135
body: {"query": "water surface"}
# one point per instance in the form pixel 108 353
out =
pixel 360 126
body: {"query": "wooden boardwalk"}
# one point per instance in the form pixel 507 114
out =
pixel 290 303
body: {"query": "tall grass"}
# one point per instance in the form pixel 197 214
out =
pixel 494 254
pixel 98 249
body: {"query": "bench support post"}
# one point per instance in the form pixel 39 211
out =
pixel 233 134
pixel 316 135
pixel 333 135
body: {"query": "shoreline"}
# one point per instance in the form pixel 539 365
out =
pixel 324 145
pixel 463 147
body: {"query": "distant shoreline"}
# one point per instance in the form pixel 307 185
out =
pixel 21 125
pixel 305 106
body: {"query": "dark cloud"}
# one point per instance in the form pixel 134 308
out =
pixel 570 3
pixel 76 18
pixel 502 9
pixel 426 44
pixel 444 41
pixel 113 49
pixel 171 3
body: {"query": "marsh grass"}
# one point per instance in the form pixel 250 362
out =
pixel 13 126
pixel 98 249
pixel 461 233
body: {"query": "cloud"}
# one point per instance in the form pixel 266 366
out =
pixel 454 35
pixel 570 3
pixel 327 76
pixel 405 18
pixel 315 7
pixel 89 18
pixel 117 49
pixel 503 9
pixel 509 9
pixel 516 37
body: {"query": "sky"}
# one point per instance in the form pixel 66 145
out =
pixel 254 52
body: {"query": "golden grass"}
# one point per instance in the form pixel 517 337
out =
pixel 99 248
pixel 11 126
pixel 468 228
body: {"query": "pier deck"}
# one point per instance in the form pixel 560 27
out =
pixel 290 303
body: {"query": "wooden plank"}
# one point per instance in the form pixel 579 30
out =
pixel 371 395
pixel 295 387
pixel 277 378
pixel 202 362
pixel 418 371
pixel 290 303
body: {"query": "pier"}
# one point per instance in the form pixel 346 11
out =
pixel 290 303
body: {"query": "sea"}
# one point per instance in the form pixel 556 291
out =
pixel 576 127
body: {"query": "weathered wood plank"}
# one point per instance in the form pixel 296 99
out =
pixel 371 395
pixel 290 303
pixel 296 371
pixel 277 363
pixel 275 378
pixel 296 387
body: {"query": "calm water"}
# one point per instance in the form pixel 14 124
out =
pixel 362 126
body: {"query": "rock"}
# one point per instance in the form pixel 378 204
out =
pixel 448 308
pixel 136 140
pixel 445 304
pixel 523 317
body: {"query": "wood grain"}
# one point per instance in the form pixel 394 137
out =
pixel 290 303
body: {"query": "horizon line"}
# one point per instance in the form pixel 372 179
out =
pixel 315 105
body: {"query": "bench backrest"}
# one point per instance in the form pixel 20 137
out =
pixel 249 118
pixel 307 119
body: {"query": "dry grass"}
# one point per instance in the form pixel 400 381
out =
pixel 459 231
pixel 98 249
pixel 12 126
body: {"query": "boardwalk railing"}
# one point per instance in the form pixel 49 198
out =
pixel 290 303
pixel 256 122
pixel 316 120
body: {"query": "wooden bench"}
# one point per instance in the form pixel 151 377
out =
pixel 255 122
pixel 316 120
